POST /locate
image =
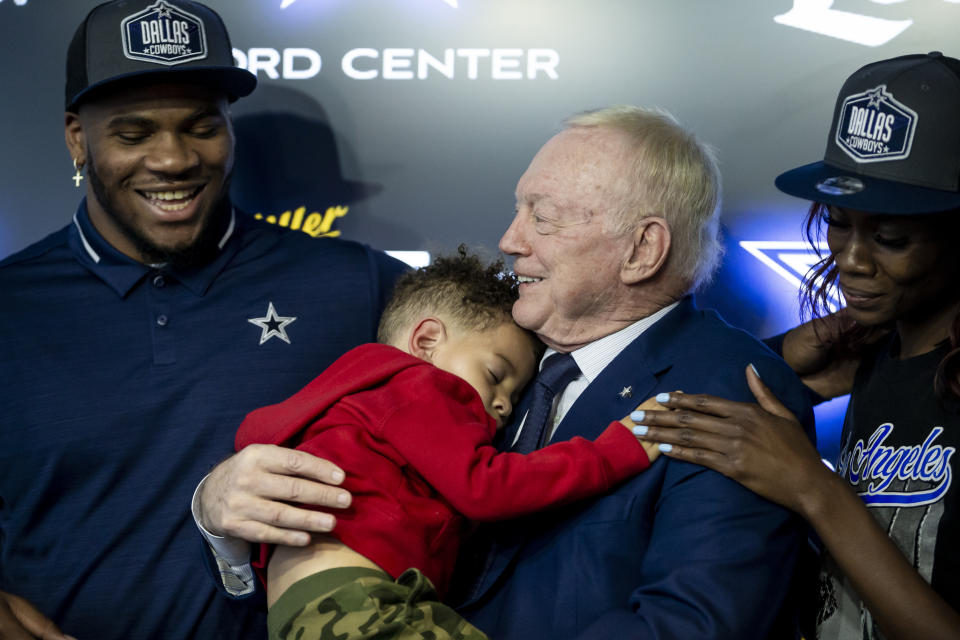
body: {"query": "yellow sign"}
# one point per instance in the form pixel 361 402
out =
pixel 315 224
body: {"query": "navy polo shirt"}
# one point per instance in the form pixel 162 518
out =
pixel 121 386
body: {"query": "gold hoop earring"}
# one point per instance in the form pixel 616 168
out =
pixel 78 176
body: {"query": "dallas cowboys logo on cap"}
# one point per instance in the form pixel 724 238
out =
pixel 892 146
pixel 170 41
pixel 873 126
pixel 164 34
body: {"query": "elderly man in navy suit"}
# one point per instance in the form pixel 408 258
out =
pixel 616 224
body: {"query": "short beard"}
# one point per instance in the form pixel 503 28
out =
pixel 196 254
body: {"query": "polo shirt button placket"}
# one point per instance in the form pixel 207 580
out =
pixel 161 294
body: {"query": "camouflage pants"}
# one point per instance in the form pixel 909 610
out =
pixel 353 603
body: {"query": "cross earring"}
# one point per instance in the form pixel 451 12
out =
pixel 78 176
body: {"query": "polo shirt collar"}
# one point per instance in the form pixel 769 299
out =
pixel 121 273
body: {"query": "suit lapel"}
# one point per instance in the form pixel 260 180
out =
pixel 629 379
pixel 604 399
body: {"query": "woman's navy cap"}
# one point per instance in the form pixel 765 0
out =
pixel 894 144
pixel 164 40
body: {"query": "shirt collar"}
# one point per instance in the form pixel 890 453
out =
pixel 121 273
pixel 594 357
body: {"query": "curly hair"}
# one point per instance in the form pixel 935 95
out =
pixel 461 288
pixel 823 279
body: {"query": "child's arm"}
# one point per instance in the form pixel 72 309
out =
pixel 450 447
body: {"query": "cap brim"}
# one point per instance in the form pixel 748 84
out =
pixel 234 81
pixel 813 182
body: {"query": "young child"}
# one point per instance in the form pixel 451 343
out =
pixel 410 420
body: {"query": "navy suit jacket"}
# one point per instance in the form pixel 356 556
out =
pixel 678 551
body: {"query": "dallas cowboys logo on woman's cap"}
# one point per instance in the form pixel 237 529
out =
pixel 127 39
pixel 894 144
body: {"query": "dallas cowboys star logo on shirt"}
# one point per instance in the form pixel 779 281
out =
pixel 273 325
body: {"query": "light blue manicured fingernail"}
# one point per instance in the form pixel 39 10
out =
pixel 638 415
pixel 640 430
pixel 666 448
pixel 663 397
pixel 756 373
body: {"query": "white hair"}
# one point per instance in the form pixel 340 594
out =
pixel 672 175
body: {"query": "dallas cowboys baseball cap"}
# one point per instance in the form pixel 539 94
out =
pixel 894 143
pixel 163 40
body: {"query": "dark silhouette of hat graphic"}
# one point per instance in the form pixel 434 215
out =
pixel 286 160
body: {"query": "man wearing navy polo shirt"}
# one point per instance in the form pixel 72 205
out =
pixel 135 339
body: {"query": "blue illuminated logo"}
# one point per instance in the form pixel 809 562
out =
pixel 19 3
pixel 791 260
